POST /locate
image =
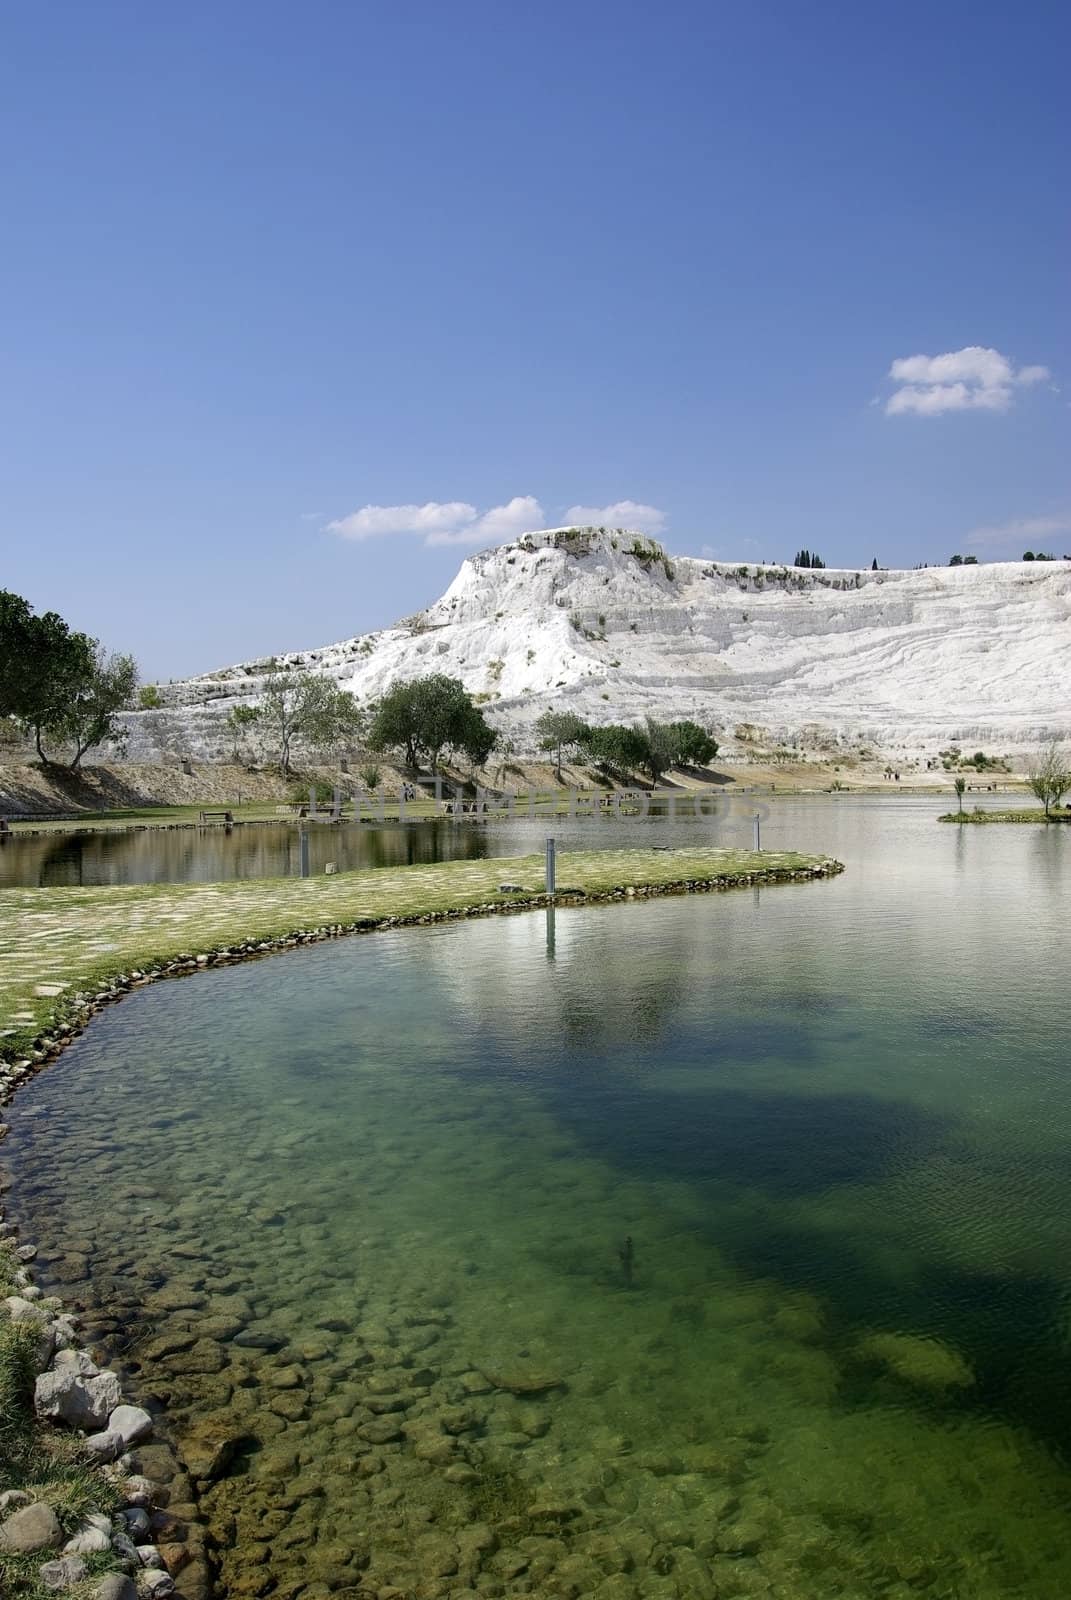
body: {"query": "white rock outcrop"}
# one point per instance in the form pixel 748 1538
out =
pixel 604 623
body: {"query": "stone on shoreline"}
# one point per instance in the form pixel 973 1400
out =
pixel 108 1445
pixel 88 1541
pixel 116 1587
pixel 64 1395
pixel 63 1573
pixel 35 1527
pixel 131 1422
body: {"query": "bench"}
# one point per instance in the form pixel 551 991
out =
pixel 216 816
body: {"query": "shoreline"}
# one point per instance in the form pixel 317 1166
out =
pixel 598 875
pixel 179 1534
pixel 1031 816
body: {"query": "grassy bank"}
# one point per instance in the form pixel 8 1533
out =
pixel 56 945
pixel 1034 815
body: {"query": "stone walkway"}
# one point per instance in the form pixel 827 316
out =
pixel 54 942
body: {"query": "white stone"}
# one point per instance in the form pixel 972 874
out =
pixel 131 1422
pixel 34 1527
pixel 21 1309
pixel 82 1402
pixel 62 1574
pixel 116 1586
pixel 88 1541
pixel 156 1585
pixel 108 1445
pixel 79 1361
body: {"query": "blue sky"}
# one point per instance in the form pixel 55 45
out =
pixel 266 266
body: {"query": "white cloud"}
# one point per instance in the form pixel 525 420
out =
pixel 444 522
pixel 622 514
pixel 522 514
pixel 373 522
pixel 1018 534
pixel 972 379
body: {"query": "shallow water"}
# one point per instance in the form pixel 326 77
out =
pixel 831 1119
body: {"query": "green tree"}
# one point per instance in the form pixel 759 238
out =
pixel 959 784
pixel 1050 777
pixel 807 558
pixel 89 717
pixel 956 561
pixel 676 744
pixel 558 731
pixel 661 751
pixel 305 705
pixel 149 698
pixel 16 652
pixel 693 746
pixel 43 665
pixel 618 750
pixel 241 720
pixel 426 716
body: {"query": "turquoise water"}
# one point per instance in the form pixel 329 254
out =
pixel 831 1120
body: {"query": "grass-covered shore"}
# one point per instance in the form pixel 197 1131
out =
pixel 1036 814
pixel 59 945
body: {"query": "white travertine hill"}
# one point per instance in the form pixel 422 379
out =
pixel 602 622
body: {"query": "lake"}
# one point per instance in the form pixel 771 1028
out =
pixel 213 854
pixel 704 1247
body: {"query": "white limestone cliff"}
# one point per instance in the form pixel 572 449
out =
pixel 604 623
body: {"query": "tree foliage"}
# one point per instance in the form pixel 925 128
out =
pixel 676 744
pixel 303 705
pixel 107 688
pixel 559 731
pixel 617 750
pixel 1050 776
pixel 59 684
pixel 807 558
pixel 692 745
pixel 425 717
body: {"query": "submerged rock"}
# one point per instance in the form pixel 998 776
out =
pixel 923 1363
pixel 259 1339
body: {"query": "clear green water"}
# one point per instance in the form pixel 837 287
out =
pixel 831 1118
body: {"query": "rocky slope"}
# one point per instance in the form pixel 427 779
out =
pixel 604 623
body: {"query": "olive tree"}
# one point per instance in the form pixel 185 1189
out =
pixel 1050 776
pixel 558 731
pixel 89 717
pixel 424 717
pixel 296 704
